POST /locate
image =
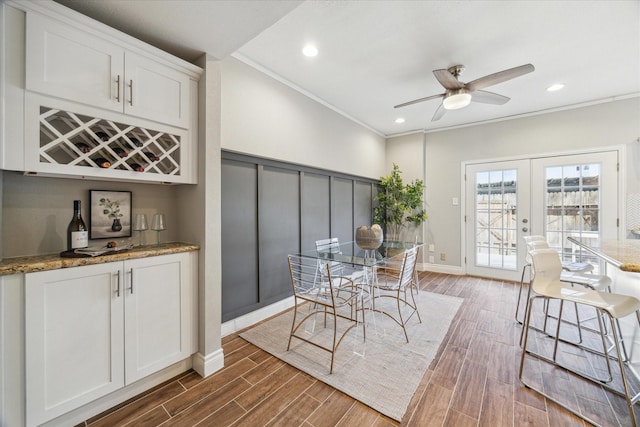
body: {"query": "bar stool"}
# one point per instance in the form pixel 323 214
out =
pixel 547 286
pixel 573 273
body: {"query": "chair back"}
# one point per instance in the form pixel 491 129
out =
pixel 534 238
pixel 546 272
pixel 408 267
pixel 331 245
pixel 533 244
pixel 304 280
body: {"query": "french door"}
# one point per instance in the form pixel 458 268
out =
pixel 498 212
pixel 558 197
pixel 576 196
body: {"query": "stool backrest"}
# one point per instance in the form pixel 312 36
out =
pixel 533 244
pixel 546 272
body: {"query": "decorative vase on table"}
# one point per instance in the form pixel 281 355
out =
pixel 116 226
pixel 369 239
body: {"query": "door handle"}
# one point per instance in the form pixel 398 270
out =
pixel 131 92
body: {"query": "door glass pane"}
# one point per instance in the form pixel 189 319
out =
pixel 496 218
pixel 572 206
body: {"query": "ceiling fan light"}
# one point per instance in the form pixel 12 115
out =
pixel 457 99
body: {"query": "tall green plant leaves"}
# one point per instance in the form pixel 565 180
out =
pixel 399 204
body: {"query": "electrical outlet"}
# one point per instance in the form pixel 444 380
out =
pixel 432 259
pixel 432 247
pixel 443 256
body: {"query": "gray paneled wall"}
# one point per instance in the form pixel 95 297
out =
pixel 271 209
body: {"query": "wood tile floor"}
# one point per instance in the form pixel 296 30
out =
pixel 473 381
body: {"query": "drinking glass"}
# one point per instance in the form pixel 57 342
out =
pixel 158 224
pixel 140 225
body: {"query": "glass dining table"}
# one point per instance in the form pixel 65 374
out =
pixel 351 254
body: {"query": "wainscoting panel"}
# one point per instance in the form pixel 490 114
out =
pixel 279 229
pixel 239 237
pixel 271 209
pixel 315 209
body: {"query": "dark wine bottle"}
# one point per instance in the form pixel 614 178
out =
pixel 152 157
pixel 120 152
pixel 77 234
pixel 102 162
pixel 137 167
pixel 135 142
pixel 83 147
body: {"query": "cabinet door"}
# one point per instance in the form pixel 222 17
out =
pixel 71 64
pixel 157 313
pixel 74 338
pixel 155 91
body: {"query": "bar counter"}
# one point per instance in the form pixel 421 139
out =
pixel 624 254
pixel 54 261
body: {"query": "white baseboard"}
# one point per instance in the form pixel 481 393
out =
pixel 207 365
pixel 439 268
pixel 254 317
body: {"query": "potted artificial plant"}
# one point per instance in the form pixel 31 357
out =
pixel 399 204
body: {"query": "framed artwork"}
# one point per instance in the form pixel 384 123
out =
pixel 109 214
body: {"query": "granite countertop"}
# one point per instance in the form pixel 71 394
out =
pixel 30 264
pixel 624 254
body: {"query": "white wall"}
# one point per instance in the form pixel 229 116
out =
pixel 607 124
pixel 265 118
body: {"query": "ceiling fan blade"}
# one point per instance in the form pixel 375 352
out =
pixel 447 80
pixel 489 97
pixel 415 101
pixel 439 113
pixel 499 77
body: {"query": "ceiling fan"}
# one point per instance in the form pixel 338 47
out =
pixel 459 94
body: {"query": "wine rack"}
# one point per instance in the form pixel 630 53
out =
pixel 68 138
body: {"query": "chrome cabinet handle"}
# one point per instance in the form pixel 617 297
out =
pixel 131 92
pixel 525 229
pixel 118 285
pixel 131 278
pixel 118 89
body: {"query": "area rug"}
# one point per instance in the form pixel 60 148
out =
pixel 383 372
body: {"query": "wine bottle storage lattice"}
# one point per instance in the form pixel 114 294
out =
pixel 67 138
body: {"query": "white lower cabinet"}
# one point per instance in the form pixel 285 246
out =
pixel 94 329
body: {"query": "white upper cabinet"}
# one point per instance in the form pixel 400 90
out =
pixel 68 63
pixel 63 63
pixel 155 92
pixel 81 93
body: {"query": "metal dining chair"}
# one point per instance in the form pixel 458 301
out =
pixel 337 300
pixel 399 287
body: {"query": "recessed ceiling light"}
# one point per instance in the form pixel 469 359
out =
pixel 400 120
pixel 555 87
pixel 310 50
